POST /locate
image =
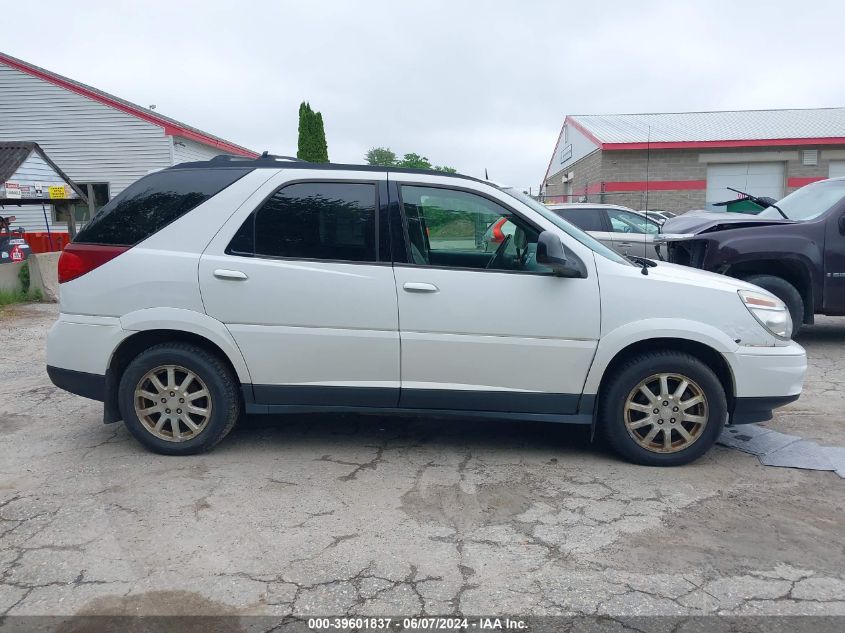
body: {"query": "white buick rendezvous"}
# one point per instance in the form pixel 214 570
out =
pixel 209 290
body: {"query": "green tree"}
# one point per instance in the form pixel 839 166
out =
pixel 320 144
pixel 386 157
pixel 311 142
pixel 415 161
pixel 381 156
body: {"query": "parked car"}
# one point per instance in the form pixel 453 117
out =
pixel 208 290
pixel 627 231
pixel 660 214
pixel 795 248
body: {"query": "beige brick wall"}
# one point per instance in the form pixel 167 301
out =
pixel 662 165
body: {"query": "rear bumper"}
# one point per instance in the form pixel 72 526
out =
pixel 81 383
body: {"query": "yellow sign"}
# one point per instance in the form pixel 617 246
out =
pixel 57 192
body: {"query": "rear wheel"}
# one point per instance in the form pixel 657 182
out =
pixel 178 399
pixel 784 291
pixel 662 409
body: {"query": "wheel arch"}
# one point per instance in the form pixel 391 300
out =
pixel 706 354
pixel 165 325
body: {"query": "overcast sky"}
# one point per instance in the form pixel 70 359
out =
pixel 467 84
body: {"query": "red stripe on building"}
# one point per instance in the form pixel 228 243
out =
pixel 593 187
pixel 656 185
pixel 800 182
pixel 170 127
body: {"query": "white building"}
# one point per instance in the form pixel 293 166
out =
pixel 103 143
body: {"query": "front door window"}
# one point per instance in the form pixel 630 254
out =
pixel 457 229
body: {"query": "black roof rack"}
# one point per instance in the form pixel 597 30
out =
pixel 270 161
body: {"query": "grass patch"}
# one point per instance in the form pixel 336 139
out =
pixel 9 297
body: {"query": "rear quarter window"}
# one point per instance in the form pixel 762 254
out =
pixel 153 202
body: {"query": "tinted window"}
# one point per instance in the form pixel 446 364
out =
pixel 150 204
pixel 584 219
pixel 313 220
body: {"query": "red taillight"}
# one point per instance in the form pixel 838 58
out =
pixel 498 234
pixel 79 259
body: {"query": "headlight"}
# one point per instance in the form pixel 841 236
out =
pixel 769 311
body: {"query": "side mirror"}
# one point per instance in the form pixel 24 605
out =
pixel 842 224
pixel 550 252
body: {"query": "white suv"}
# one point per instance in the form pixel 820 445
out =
pixel 209 290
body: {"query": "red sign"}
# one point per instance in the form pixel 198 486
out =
pixel 17 254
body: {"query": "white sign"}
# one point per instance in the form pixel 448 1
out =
pixel 13 190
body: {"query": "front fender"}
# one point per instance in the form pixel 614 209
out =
pixel 189 321
pixel 617 340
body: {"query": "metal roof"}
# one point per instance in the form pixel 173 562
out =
pixel 171 126
pixel 712 127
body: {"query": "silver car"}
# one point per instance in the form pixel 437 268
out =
pixel 625 230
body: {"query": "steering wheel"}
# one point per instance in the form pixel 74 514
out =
pixel 499 251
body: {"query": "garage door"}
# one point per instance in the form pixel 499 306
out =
pixel 837 169
pixel 759 179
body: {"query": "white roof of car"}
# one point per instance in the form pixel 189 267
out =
pixel 714 126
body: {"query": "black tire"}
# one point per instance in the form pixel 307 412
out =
pixel 784 291
pixel 218 378
pixel 626 378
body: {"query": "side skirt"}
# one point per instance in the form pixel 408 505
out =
pixel 582 412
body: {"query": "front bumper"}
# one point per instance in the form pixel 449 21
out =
pixel 765 378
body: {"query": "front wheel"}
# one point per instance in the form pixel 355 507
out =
pixel 662 409
pixel 178 399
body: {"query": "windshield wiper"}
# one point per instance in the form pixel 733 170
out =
pixel 642 261
pixel 763 203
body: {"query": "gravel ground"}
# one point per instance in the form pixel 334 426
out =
pixel 377 515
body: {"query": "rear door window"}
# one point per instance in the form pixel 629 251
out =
pixel 332 221
pixel 584 219
pixel 153 202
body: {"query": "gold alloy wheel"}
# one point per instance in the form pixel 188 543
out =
pixel 172 403
pixel 666 413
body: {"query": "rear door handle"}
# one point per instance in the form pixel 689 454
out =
pixel 413 286
pixel 625 244
pixel 223 273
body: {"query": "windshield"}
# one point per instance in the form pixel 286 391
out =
pixel 809 202
pixel 569 229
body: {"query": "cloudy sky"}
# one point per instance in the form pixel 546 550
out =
pixel 474 85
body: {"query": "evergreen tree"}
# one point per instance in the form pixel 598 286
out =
pixel 320 147
pixel 311 142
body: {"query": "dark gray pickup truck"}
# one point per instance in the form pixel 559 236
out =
pixel 794 249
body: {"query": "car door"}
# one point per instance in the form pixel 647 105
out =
pixel 834 262
pixel 299 278
pixel 632 233
pixel 479 330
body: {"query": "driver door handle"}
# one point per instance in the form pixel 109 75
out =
pixel 414 286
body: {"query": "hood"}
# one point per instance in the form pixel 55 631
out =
pixel 694 222
pixel 696 277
